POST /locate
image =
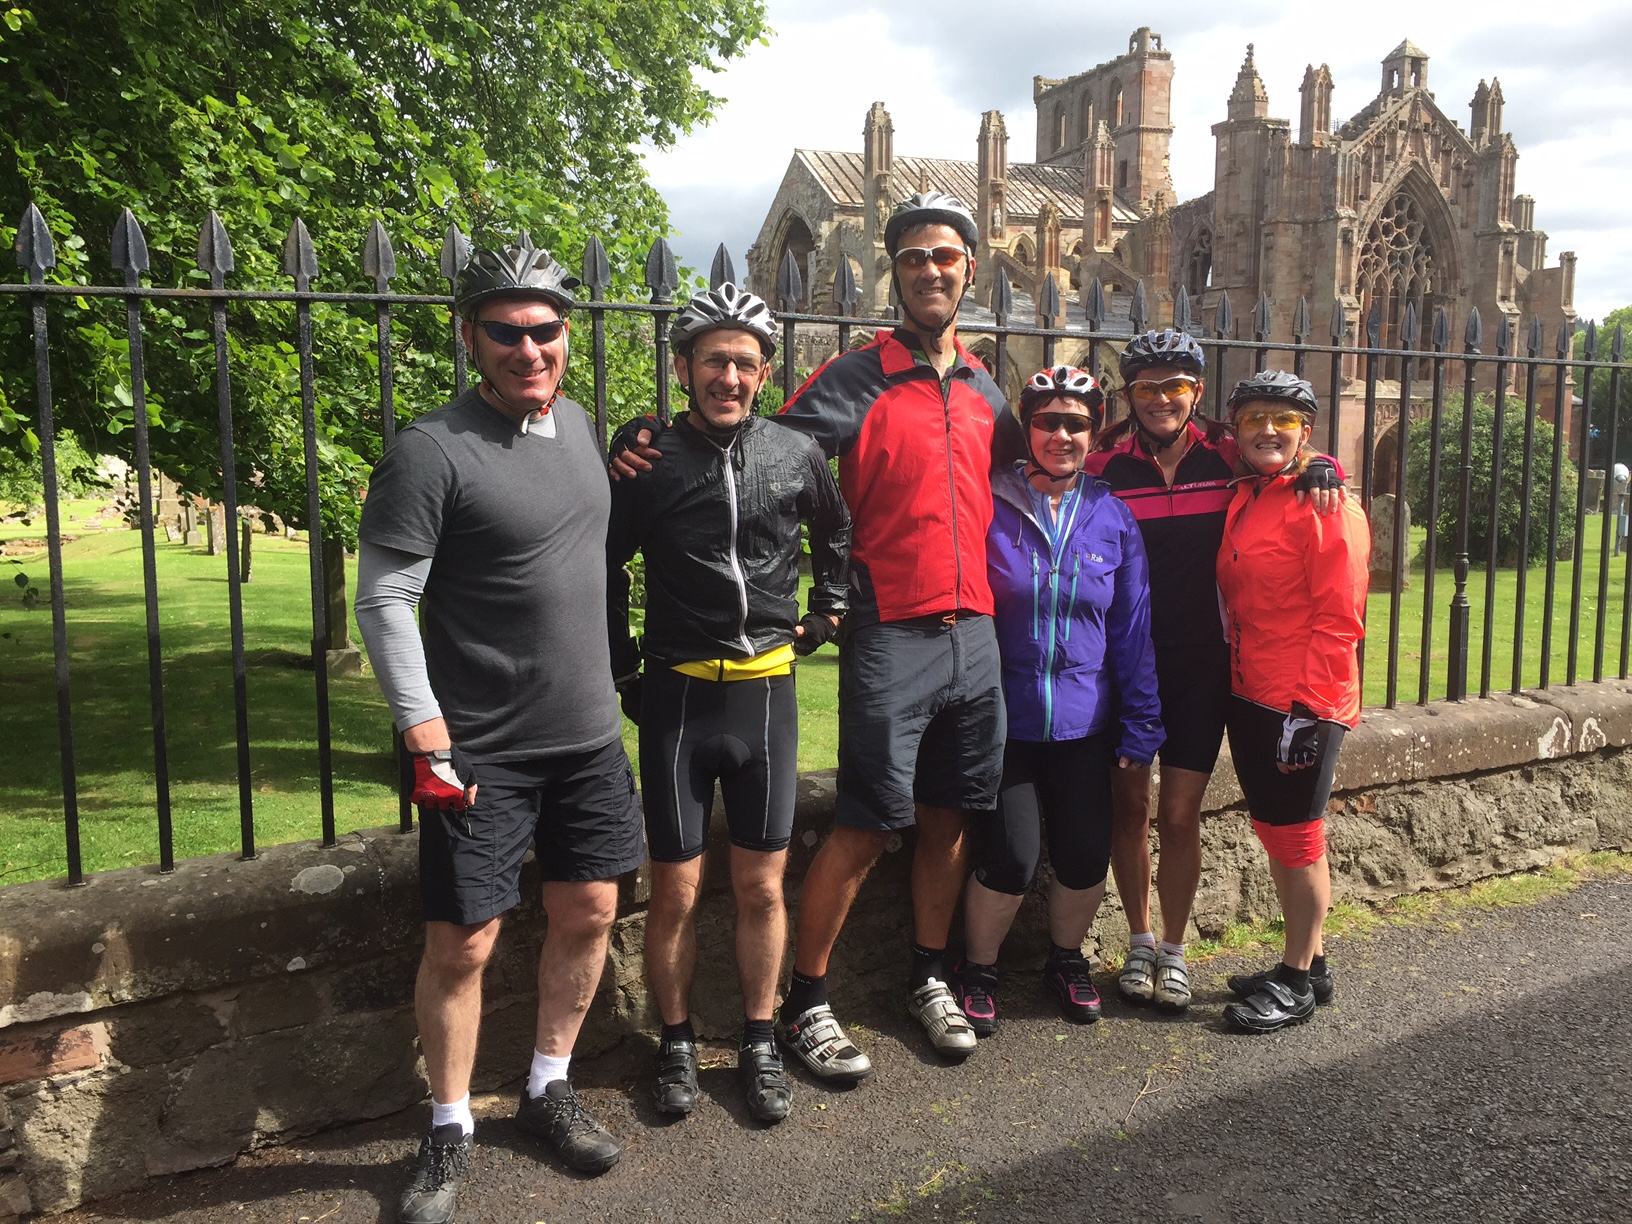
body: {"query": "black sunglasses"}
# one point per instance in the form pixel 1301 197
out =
pixel 510 334
pixel 1048 422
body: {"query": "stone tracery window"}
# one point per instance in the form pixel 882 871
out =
pixel 1397 265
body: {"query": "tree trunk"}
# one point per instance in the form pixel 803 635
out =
pixel 243 552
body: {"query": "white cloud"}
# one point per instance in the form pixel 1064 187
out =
pixel 1567 89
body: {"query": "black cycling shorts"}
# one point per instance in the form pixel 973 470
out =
pixel 1274 798
pixel 921 720
pixel 578 811
pixel 1195 696
pixel 694 732
pixel 1063 787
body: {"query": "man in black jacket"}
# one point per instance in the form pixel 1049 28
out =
pixel 718 525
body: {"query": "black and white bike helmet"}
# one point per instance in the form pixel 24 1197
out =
pixel 930 208
pixel 519 270
pixel 725 307
pixel 1161 348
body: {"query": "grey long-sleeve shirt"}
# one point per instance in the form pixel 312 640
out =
pixel 389 585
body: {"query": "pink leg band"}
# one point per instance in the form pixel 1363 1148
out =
pixel 1293 846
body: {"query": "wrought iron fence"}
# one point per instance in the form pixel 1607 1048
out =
pixel 1094 326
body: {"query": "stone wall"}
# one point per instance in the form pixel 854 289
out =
pixel 150 1024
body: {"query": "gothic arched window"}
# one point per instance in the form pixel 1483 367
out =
pixel 1397 265
pixel 1114 110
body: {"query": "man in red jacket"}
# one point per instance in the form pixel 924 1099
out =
pixel 912 419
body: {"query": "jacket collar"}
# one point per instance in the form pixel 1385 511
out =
pixel 1009 484
pixel 898 356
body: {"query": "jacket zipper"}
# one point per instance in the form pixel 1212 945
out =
pixel 731 552
pixel 952 494
pixel 1071 604
pixel 1048 658
pixel 1036 600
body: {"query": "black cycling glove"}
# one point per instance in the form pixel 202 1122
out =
pixel 627 436
pixel 1303 737
pixel 629 690
pixel 818 629
pixel 1321 473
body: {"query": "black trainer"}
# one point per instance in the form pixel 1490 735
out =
pixel 676 1076
pixel 1243 984
pixel 1274 1005
pixel 1073 984
pixel 444 1157
pixel 975 988
pixel 558 1121
pixel 764 1082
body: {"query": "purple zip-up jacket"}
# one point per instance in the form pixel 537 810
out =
pixel 1073 619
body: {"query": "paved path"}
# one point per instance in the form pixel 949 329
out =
pixel 1472 1070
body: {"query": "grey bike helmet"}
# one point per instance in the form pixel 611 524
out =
pixel 726 306
pixel 520 270
pixel 1279 386
pixel 1161 348
pixel 930 208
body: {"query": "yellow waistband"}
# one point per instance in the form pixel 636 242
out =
pixel 778 662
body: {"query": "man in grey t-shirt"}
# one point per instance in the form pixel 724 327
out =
pixel 490 514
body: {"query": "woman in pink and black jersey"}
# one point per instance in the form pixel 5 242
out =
pixel 1172 468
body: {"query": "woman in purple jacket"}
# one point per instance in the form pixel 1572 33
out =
pixel 1072 593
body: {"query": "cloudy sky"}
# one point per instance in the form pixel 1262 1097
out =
pixel 1568 87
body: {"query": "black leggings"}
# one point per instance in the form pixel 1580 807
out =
pixel 1063 786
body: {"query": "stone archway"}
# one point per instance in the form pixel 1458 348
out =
pixel 795 237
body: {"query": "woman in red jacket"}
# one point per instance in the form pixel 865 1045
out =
pixel 1294 591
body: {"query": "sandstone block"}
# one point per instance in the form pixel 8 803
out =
pixel 40 1055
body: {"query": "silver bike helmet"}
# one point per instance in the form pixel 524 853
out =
pixel 520 270
pixel 727 307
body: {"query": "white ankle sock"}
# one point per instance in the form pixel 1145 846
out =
pixel 457 1111
pixel 1170 949
pixel 545 1070
pixel 1143 940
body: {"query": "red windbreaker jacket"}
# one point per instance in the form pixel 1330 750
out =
pixel 915 455
pixel 1294 587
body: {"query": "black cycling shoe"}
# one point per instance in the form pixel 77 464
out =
pixel 764 1082
pixel 444 1157
pixel 1073 985
pixel 1243 984
pixel 975 988
pixel 558 1121
pixel 1274 1005
pixel 676 1076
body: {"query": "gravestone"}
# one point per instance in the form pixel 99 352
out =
pixel 215 526
pixel 1595 490
pixel 190 534
pixel 1382 543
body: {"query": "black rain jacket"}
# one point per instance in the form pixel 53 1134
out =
pixel 718 525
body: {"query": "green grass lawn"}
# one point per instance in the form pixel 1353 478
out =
pixel 113 738
pixel 1503 635
pixel 113 741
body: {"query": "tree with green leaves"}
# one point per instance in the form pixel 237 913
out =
pixel 495 115
pixel 1602 384
pixel 1510 503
